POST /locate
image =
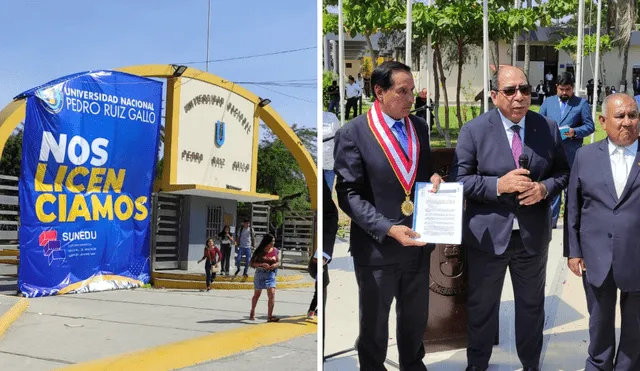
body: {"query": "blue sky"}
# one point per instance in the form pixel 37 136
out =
pixel 43 40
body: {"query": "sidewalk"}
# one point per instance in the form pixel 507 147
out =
pixel 60 331
pixel 566 325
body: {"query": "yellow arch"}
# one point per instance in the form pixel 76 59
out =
pixel 14 113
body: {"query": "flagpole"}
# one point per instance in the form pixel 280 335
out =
pixel 341 60
pixel 408 35
pixel 597 70
pixel 485 47
pixel 206 68
pixel 579 54
pixel 514 54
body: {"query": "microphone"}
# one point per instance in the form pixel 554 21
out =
pixel 523 161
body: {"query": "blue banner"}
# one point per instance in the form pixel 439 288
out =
pixel 88 163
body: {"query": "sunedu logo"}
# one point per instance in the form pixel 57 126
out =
pixel 79 236
pixel 50 244
pixel 51 98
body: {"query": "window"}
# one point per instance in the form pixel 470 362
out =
pixel 348 65
pixel 539 53
pixel 214 221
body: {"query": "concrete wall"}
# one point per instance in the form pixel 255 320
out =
pixel 197 227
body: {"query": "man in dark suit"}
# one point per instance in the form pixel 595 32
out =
pixel 378 158
pixel 507 216
pixel 602 235
pixel 571 112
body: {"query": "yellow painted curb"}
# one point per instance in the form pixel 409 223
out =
pixel 202 349
pixel 201 285
pixel 12 314
pixel 202 277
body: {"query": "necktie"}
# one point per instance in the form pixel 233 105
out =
pixel 562 107
pixel 620 174
pixel 398 128
pixel 516 144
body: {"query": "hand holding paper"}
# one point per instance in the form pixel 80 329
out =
pixel 438 216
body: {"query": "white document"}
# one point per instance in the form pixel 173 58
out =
pixel 437 216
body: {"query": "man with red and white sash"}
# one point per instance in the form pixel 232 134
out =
pixel 379 156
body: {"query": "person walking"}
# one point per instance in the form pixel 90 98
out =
pixel 246 241
pixel 226 241
pixel 212 255
pixel 265 261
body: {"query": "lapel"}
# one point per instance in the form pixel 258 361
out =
pixel 605 167
pixel 633 174
pixel 567 109
pixel 504 147
pixel 530 134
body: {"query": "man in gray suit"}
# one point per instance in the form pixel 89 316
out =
pixel 602 244
pixel 507 216
pixel 378 157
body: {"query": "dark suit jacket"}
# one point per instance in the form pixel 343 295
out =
pixel 577 115
pixel 482 155
pixel 600 228
pixel 329 220
pixel 371 195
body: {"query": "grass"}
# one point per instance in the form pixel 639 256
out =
pixel 468 113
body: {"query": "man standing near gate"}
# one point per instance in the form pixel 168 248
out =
pixel 512 163
pixel 378 158
pixel 573 116
pixel 246 242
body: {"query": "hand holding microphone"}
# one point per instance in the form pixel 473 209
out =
pixel 536 190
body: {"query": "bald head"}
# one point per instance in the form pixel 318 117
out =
pixel 619 119
pixel 511 92
pixel 497 80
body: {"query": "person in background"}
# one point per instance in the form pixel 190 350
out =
pixel 265 261
pixel 212 255
pixel 334 97
pixel 541 92
pixel 601 241
pixel 573 116
pixel 353 94
pixel 421 101
pixel 226 241
pixel 330 124
pixel 246 240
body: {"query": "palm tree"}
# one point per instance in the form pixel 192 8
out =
pixel 621 17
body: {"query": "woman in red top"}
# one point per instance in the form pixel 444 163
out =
pixel 265 261
pixel 213 256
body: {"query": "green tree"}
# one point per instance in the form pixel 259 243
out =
pixel 280 174
pixel 12 155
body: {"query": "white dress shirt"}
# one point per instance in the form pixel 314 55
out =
pixel 620 171
pixel 353 90
pixel 507 124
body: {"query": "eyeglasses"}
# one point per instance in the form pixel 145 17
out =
pixel 511 90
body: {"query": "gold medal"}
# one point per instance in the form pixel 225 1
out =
pixel 407 207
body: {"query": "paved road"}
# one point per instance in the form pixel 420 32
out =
pixel 63 330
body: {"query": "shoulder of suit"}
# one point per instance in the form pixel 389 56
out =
pixel 354 124
pixel 481 120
